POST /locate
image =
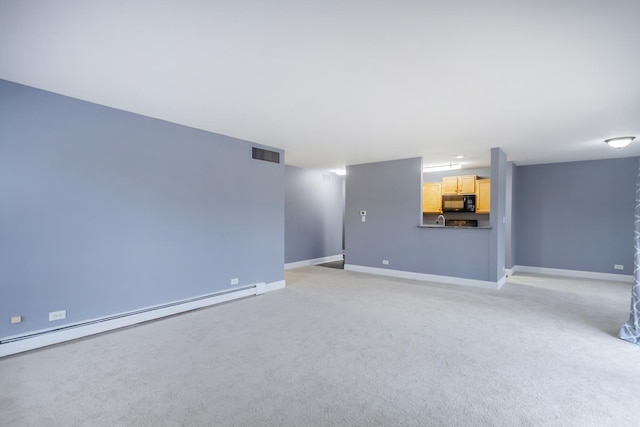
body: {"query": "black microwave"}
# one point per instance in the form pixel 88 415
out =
pixel 458 203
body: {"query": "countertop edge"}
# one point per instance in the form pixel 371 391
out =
pixel 448 227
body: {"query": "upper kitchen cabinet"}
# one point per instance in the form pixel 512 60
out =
pixel 483 196
pixel 432 197
pixel 465 184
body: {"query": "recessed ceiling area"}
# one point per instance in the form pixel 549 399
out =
pixel 335 83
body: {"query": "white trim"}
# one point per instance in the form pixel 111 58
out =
pixel 55 337
pixel 449 280
pixel 274 286
pixel 573 273
pixel 261 288
pixel 314 261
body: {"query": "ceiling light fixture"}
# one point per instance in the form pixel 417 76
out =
pixel 438 168
pixel 460 157
pixel 620 142
pixel 340 172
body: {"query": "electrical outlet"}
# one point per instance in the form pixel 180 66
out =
pixel 618 266
pixel 57 315
pixel 16 319
pixel 235 281
pixel 385 261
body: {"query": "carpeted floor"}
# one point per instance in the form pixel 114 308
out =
pixel 343 348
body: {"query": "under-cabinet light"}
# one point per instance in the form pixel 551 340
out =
pixel 447 167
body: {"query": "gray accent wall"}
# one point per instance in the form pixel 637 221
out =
pixel 314 209
pixel 509 235
pixel 104 211
pixel 497 255
pixel 576 216
pixel 390 192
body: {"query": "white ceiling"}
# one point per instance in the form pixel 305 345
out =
pixel 347 82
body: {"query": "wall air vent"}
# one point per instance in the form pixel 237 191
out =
pixel 266 155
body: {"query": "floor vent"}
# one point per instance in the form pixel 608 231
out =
pixel 266 155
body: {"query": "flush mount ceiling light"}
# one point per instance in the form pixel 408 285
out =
pixel 447 167
pixel 340 172
pixel 620 142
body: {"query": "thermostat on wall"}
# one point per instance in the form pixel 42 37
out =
pixel 363 213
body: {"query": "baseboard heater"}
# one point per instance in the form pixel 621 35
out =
pixel 129 318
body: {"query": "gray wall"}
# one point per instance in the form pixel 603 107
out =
pixel 390 192
pixel 105 211
pixel 576 216
pixel 314 209
pixel 509 234
pixel 497 255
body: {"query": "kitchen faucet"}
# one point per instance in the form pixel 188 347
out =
pixel 438 219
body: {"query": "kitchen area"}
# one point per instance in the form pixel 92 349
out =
pixel 456 200
pixel 467 249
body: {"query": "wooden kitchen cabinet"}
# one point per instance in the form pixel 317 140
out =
pixel 483 196
pixel 465 184
pixel 432 197
pixel 450 185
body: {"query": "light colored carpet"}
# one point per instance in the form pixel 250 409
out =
pixel 343 348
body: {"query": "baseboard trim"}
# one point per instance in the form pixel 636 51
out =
pixel 501 282
pixel 314 261
pixel 274 286
pixel 572 273
pixel 96 326
pixel 449 280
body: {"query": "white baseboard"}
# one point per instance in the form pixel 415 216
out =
pixel 573 273
pixel 314 261
pixel 274 286
pixel 501 282
pixel 96 326
pixel 449 280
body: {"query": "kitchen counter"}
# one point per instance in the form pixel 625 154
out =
pixel 455 227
